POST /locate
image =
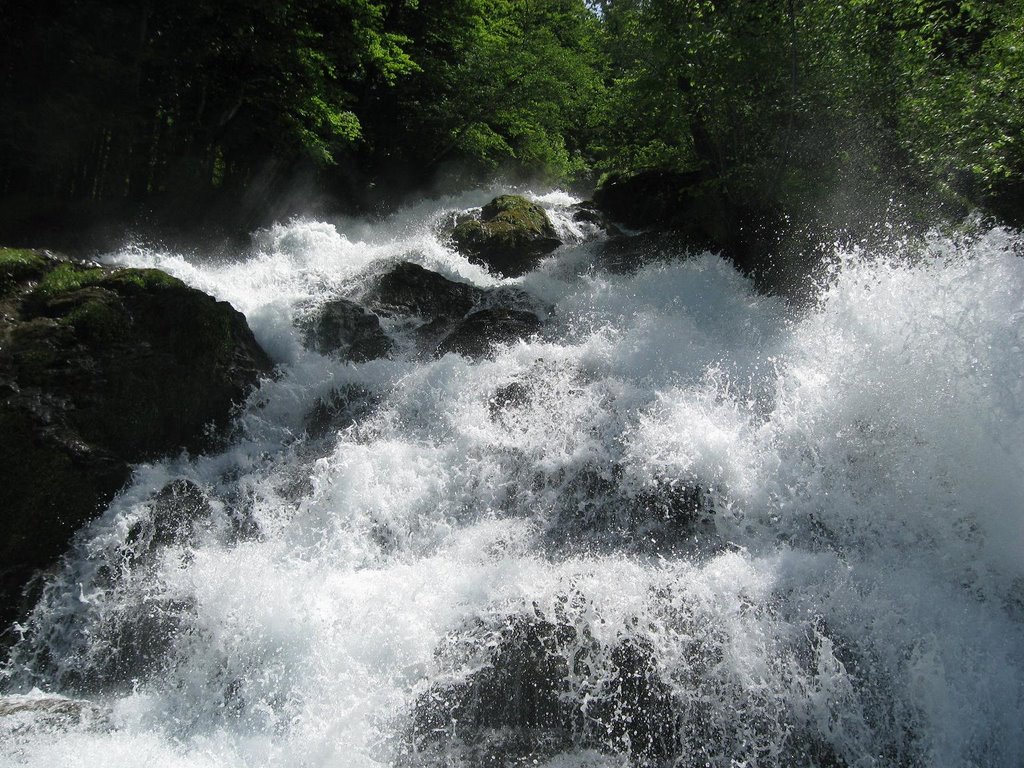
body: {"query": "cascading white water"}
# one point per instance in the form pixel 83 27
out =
pixel 851 591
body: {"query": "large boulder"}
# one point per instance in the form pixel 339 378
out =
pixel 344 329
pixel 101 368
pixel 510 237
pixel 648 199
pixel 410 289
pixel 696 208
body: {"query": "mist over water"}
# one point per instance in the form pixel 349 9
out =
pixel 846 588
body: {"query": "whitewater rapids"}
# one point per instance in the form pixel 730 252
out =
pixel 852 595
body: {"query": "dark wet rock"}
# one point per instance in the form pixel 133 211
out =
pixel 339 410
pixel 670 503
pixel 513 298
pixel 101 368
pixel 508 397
pixel 638 707
pixel 177 510
pixel 510 237
pixel 543 687
pixel 429 335
pixel 587 212
pixel 523 687
pixel 653 198
pixel 175 516
pixel 697 209
pixel 595 498
pixel 458 317
pixel 346 330
pixel 627 254
pixel 476 335
pixel 412 290
pixel 134 638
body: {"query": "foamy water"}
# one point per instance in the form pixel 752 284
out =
pixel 851 592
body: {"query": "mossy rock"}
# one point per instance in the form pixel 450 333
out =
pixel 64 278
pixel 102 368
pixel 510 237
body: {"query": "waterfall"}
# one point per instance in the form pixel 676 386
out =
pixel 683 524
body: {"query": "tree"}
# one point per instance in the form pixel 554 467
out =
pixel 502 84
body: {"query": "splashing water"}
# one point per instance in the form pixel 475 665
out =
pixel 716 531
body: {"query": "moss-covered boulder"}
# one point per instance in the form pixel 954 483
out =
pixel 101 368
pixel 510 237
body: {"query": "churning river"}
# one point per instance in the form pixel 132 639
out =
pixel 685 524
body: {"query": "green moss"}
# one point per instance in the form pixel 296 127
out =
pixel 506 222
pixel 516 212
pixel 18 265
pixel 509 237
pixel 66 277
pixel 98 320
pixel 467 232
pixel 141 278
pixel 15 258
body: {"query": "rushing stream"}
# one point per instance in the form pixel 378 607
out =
pixel 685 524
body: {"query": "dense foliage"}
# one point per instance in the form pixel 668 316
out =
pixel 790 100
pixel 778 103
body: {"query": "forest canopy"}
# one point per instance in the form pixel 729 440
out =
pixel 776 103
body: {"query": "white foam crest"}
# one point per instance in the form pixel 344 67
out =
pixel 898 412
pixel 670 322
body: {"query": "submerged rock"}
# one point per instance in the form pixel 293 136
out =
pixel 626 255
pixel 101 368
pixel 509 238
pixel 545 686
pixel 475 335
pixel 638 709
pixel 20 714
pixel 339 410
pixel 177 510
pixel 346 330
pixel 508 397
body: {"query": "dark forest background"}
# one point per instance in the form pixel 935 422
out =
pixel 183 111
